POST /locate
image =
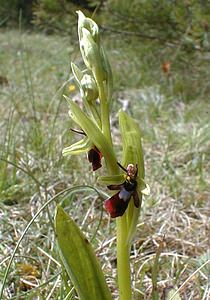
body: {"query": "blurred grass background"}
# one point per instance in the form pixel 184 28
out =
pixel 172 107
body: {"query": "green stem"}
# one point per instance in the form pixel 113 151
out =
pixel 105 113
pixel 123 246
pixel 123 260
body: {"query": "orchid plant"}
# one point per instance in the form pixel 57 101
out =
pixel 124 179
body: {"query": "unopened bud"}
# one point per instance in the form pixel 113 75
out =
pixel 89 88
pixel 92 56
pixel 90 25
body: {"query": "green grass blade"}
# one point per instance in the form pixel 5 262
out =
pixel 79 259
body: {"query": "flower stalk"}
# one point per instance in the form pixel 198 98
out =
pixel 105 121
pixel 125 179
pixel 123 260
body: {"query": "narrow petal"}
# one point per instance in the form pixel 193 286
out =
pixel 114 187
pixel 136 199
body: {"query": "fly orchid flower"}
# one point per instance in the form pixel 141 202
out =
pixel 118 203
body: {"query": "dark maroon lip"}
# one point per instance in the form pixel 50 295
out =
pixel 94 157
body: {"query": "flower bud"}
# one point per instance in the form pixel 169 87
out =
pixel 90 25
pixel 89 50
pixel 89 88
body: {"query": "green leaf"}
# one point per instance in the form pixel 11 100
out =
pixel 79 259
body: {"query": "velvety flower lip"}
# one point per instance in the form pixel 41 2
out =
pixel 94 157
pixel 116 206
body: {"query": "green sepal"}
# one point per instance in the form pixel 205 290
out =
pixel 79 147
pixel 94 133
pixel 112 179
pixel 79 259
pixel 131 141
